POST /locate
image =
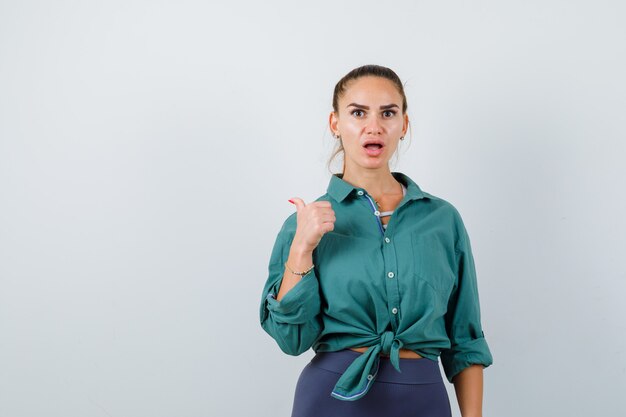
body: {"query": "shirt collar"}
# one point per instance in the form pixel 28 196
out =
pixel 340 189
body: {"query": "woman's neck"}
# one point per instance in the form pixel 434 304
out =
pixel 378 183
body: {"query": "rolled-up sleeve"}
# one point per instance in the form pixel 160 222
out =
pixel 463 323
pixel 294 321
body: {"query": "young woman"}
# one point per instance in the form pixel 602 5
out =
pixel 377 276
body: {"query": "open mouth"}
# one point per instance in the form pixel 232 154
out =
pixel 372 146
pixel 373 149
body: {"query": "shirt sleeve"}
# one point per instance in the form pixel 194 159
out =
pixel 463 325
pixel 294 321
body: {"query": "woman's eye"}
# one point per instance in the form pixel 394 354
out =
pixel 389 113
pixel 357 113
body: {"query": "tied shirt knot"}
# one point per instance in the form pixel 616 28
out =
pixel 358 378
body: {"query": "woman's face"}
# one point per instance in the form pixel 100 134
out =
pixel 370 111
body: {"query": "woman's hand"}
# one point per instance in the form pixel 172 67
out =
pixel 314 220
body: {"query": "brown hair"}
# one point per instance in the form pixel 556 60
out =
pixel 342 85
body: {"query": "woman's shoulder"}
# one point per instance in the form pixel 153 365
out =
pixel 445 213
pixel 434 202
pixel 450 215
pixel 289 224
pixel 442 204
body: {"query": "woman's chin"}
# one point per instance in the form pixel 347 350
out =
pixel 372 163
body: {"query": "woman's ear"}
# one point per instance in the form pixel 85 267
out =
pixel 405 127
pixel 332 123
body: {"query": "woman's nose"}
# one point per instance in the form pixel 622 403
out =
pixel 373 126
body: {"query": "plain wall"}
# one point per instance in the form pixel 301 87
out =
pixel 148 149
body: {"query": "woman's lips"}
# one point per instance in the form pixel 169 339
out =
pixel 373 150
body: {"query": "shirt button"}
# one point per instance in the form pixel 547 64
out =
pixel 394 310
pixel 387 240
pixel 370 377
pixel 377 213
pixel 359 192
pixel 390 274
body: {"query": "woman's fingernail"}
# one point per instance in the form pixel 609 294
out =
pixel 291 201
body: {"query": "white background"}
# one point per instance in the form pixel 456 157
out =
pixel 148 149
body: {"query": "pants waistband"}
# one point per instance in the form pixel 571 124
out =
pixel 414 371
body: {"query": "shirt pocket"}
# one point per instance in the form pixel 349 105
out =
pixel 433 262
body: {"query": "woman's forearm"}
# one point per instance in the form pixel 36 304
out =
pixel 468 385
pixel 299 260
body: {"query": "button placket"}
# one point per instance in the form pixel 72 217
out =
pixel 391 279
pixel 390 264
pixel 375 211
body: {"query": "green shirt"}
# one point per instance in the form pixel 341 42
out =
pixel 411 285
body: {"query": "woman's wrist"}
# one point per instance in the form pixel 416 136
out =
pixel 300 260
pixel 299 273
pixel 299 250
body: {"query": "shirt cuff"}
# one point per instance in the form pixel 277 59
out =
pixel 459 357
pixel 299 305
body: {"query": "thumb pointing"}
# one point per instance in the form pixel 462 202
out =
pixel 297 202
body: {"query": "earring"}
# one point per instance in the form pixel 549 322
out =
pixel 337 136
pixel 401 137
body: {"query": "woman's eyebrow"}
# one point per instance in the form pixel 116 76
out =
pixel 362 106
